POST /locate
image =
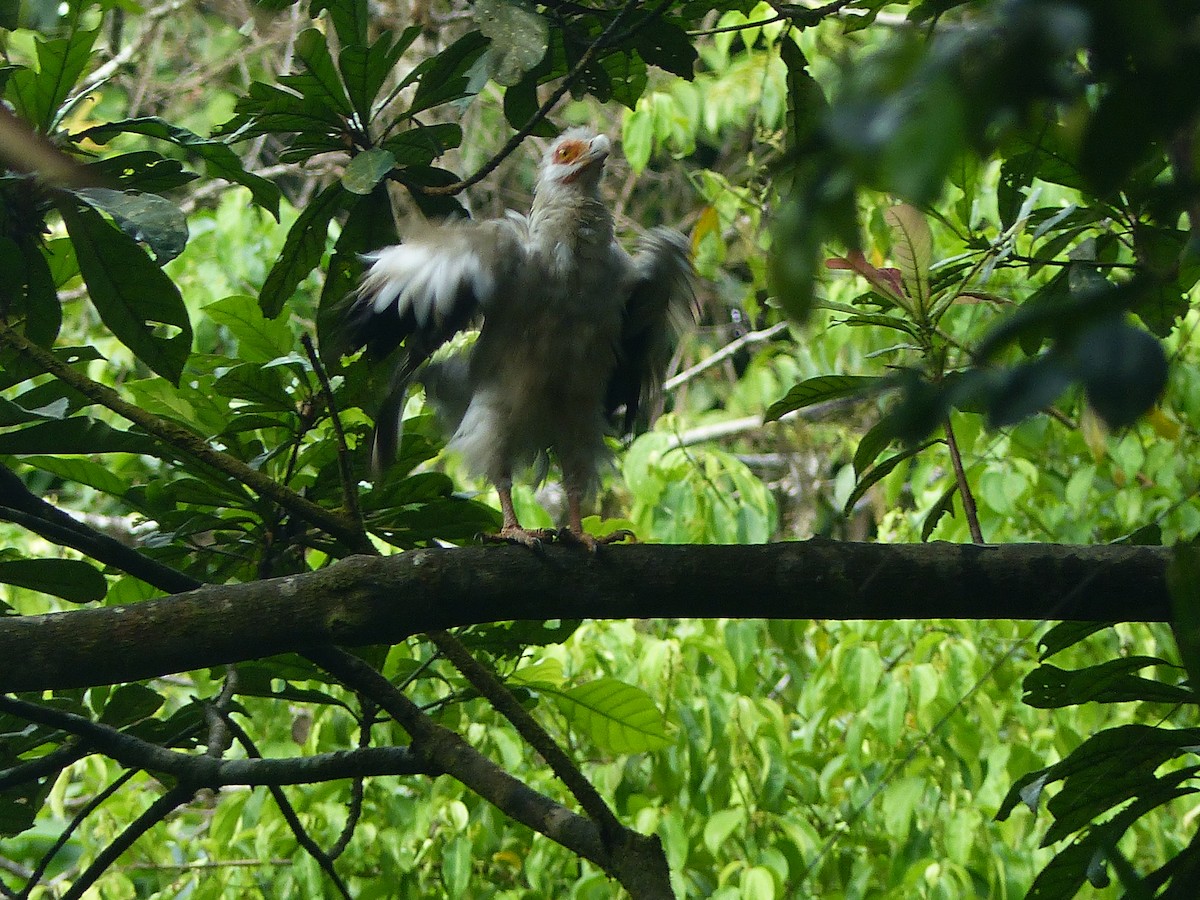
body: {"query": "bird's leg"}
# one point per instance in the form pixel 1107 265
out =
pixel 574 532
pixel 510 529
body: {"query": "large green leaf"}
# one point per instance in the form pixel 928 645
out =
pixel 131 293
pixel 366 69
pixel 444 77
pixel 259 339
pixel 303 248
pixel 519 37
pixel 319 82
pixel 71 579
pixel 78 434
pixel 618 717
pixel 820 390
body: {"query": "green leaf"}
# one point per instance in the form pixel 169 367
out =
pixel 665 44
pixel 302 250
pixel 130 292
pixel 130 703
pixel 259 339
pixel 616 716
pixel 521 105
pixel 147 218
pixel 350 18
pixel 367 170
pixel 81 471
pixel 71 579
pixel 78 434
pixel 219 159
pixel 444 77
pixel 261 386
pixel 820 390
pixel 421 145
pixel 1049 687
pixel 38 96
pixel 1025 389
pixel 320 83
pixel 366 69
pixel 912 245
pixel 519 37
pixel 1124 371
pixel 880 472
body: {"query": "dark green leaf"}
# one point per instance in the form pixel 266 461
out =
pixel 130 703
pixel 1068 634
pixel 147 218
pixel 302 250
pixel 874 442
pixel 435 206
pixel 666 45
pixel 943 507
pixel 444 77
pixel 350 19
pixel 320 82
pixel 421 145
pixel 1123 369
pixel 521 105
pixel 879 472
pixel 1017 393
pixel 219 159
pixel 366 69
pixel 131 293
pixel 1049 687
pixel 143 170
pixel 821 389
pixel 78 434
pixel 71 579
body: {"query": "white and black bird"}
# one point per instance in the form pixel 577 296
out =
pixel 574 331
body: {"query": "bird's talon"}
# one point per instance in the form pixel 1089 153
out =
pixel 526 537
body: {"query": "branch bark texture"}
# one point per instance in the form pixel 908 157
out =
pixel 371 600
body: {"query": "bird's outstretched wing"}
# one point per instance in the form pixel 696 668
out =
pixel 422 292
pixel 661 300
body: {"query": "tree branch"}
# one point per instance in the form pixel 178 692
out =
pixel 203 771
pixel 376 600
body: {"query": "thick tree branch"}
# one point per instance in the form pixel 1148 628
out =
pixel 371 600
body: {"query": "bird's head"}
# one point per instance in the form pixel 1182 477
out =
pixel 575 161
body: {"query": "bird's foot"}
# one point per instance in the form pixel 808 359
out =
pixel 526 537
pixel 591 541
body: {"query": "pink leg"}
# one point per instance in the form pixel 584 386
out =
pixel 510 528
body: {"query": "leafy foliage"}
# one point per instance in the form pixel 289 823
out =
pixel 992 204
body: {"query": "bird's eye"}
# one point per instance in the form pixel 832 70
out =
pixel 567 152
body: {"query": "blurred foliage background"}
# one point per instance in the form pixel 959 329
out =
pixel 949 260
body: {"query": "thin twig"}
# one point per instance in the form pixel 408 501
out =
pixel 345 469
pixel 964 489
pixel 537 737
pixel 303 838
pixel 750 337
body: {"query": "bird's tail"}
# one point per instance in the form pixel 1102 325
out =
pixel 389 420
